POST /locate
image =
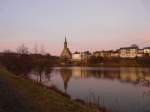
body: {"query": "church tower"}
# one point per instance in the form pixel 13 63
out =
pixel 66 54
pixel 65 43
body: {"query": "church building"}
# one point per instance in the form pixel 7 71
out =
pixel 66 54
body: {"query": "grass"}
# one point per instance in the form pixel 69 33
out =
pixel 36 97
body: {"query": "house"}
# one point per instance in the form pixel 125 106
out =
pixel 114 53
pixel 102 53
pixel 86 55
pixel 110 53
pixel 128 52
pixel 147 51
pixel 140 53
pixel 81 56
pixel 97 53
pixel 77 56
pixel 106 53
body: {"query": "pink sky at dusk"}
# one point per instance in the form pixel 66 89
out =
pixel 89 24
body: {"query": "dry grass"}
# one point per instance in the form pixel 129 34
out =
pixel 40 99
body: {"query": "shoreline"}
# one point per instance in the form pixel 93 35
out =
pixel 39 97
pixel 106 66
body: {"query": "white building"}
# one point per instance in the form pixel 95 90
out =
pixel 140 53
pixel 114 53
pixel 109 53
pixel 81 56
pixel 147 51
pixel 77 56
pixel 128 52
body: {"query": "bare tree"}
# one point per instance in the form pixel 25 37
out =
pixel 35 48
pixel 22 49
pixel 7 51
pixel 135 45
pixel 42 50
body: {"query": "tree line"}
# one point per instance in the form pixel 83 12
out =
pixel 22 61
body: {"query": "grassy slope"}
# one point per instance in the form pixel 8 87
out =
pixel 35 97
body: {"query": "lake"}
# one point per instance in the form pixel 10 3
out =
pixel 117 89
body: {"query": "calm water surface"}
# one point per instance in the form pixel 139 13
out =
pixel 117 89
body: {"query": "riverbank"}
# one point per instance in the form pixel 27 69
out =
pixel 22 95
pixel 115 62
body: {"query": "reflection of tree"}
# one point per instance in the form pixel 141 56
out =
pixel 144 83
pixel 40 72
pixel 66 74
pixel 47 73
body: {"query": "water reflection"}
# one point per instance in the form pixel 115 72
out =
pixel 128 75
pixel 118 89
pixel 41 75
pixel 66 75
pixel 131 93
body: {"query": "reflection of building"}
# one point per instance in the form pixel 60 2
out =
pixel 147 78
pixel 66 74
pixel 126 75
pixel 66 54
pixel 77 72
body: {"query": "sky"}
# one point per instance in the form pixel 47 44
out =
pixel 88 24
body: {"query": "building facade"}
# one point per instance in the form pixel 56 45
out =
pixel 85 55
pixel 147 51
pixel 128 52
pixel 140 53
pixel 77 56
pixel 110 53
pixel 124 52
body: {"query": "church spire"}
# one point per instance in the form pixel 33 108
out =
pixel 66 54
pixel 65 39
pixel 65 44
